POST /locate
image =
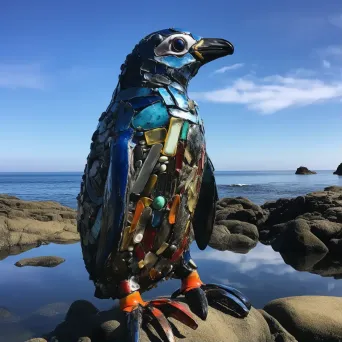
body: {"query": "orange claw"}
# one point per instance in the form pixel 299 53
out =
pixel 130 302
pixel 192 281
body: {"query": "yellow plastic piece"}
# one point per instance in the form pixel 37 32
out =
pixel 141 264
pixel 162 248
pixel 171 141
pixel 150 185
pixel 126 238
pixel 187 155
pixel 174 209
pixel 147 201
pixel 155 136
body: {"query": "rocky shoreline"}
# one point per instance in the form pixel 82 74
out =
pixel 28 224
pixel 306 231
pixel 312 223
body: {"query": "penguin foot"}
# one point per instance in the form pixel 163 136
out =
pixel 154 312
pixel 222 297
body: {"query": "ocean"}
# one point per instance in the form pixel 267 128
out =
pixel 34 300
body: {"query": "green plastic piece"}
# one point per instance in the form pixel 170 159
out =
pixel 158 203
pixel 184 132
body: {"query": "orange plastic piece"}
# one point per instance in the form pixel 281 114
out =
pixel 130 302
pixel 174 209
pixel 192 281
pixel 138 211
pixel 154 274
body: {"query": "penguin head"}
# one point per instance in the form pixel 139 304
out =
pixel 171 55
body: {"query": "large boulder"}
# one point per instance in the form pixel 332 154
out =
pixel 309 318
pixel 302 170
pixel 236 224
pixel 84 320
pixel 26 224
pixel 338 170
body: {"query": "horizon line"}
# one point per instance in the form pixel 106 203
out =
pixel 214 171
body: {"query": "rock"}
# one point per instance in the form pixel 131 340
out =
pixel 302 170
pixel 309 318
pixel 310 224
pixel 338 170
pixel 110 325
pixel 44 261
pixel 36 340
pixel 235 236
pixel 306 230
pixel 26 224
pixel 236 223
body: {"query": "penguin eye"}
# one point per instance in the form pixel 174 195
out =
pixel 178 45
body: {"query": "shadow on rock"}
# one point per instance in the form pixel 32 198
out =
pixel 325 265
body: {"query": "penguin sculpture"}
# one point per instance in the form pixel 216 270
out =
pixel 148 187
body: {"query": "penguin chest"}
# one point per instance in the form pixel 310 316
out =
pixel 163 194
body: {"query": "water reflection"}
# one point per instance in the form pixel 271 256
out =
pixel 34 300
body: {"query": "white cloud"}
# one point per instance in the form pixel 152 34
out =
pixel 270 94
pixel 261 255
pixel 326 64
pixel 229 68
pixel 14 76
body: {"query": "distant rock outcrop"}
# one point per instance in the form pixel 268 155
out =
pixel 28 224
pixel 302 170
pixel 338 170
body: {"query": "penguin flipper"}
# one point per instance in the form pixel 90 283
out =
pixel 204 216
pixel 115 197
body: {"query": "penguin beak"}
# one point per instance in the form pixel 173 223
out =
pixel 209 49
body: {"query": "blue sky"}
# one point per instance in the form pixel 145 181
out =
pixel 275 104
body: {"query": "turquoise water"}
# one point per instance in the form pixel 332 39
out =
pixel 261 274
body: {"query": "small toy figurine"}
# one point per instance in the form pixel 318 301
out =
pixel 148 186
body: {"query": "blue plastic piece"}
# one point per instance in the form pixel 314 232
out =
pixel 95 229
pixel 196 37
pixel 177 86
pixel 186 255
pixel 176 62
pixel 115 196
pixel 124 117
pixel 140 102
pixel 157 217
pixel 236 292
pixel 130 93
pixel 177 113
pixel 182 100
pixel 166 96
pixel 151 117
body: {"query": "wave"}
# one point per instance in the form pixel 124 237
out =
pixel 237 185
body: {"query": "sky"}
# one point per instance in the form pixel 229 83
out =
pixel 276 104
